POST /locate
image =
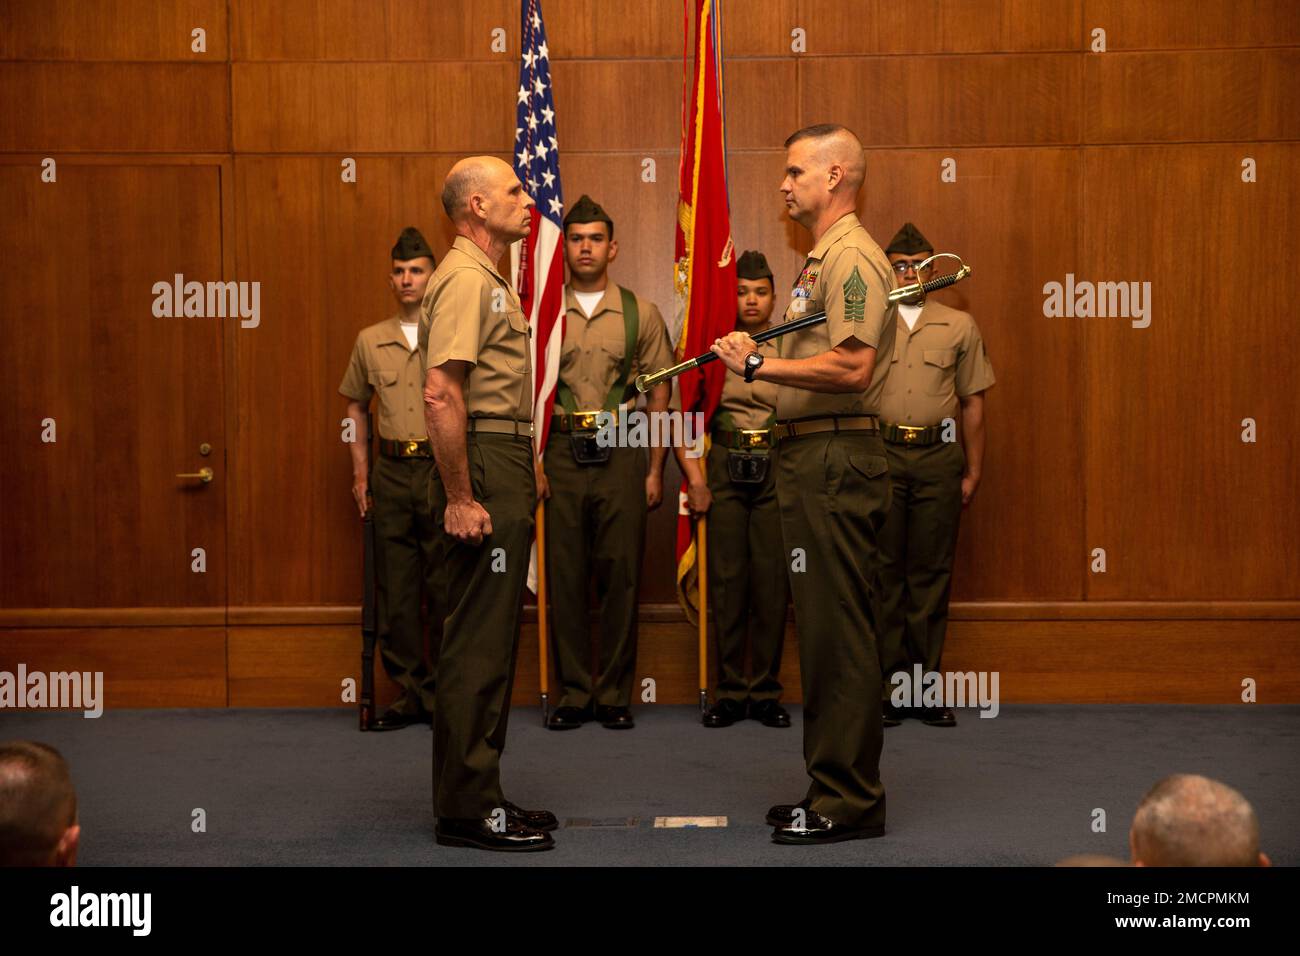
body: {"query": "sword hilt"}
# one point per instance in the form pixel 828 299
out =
pixel 931 285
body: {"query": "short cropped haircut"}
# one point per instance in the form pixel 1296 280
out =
pixel 37 802
pixel 819 131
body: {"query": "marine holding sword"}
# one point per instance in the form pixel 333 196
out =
pixel 832 483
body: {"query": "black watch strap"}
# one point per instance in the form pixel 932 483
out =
pixel 751 369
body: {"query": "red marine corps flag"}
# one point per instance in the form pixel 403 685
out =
pixel 705 270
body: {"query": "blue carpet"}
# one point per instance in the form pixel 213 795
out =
pixel 304 787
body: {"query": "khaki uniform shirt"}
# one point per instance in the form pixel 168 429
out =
pixel 934 363
pixel 847 276
pixel 471 314
pixel 591 357
pixel 383 364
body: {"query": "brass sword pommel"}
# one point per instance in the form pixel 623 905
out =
pixel 646 382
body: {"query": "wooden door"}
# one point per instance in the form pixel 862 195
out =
pixel 108 404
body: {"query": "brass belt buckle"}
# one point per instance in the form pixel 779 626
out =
pixel 583 421
pixel 753 437
pixel 410 447
pixel 910 434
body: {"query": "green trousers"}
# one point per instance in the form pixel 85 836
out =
pixel 595 533
pixel 834 495
pixel 482 589
pixel 918 545
pixel 406 573
pixel 748 590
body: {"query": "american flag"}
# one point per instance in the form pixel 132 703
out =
pixel 537 263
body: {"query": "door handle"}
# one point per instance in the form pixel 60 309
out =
pixel 204 475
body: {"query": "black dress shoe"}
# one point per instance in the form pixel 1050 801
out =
pixel 724 713
pixel 615 718
pixel 535 819
pixel 782 815
pixel 769 713
pixel 891 716
pixel 818 829
pixel 568 718
pixel 938 717
pixel 392 719
pixel 479 833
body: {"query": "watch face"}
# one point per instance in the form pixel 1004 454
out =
pixel 753 360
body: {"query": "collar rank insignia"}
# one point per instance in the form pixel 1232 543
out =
pixel 855 297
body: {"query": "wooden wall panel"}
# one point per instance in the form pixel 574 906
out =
pixel 376 30
pixel 1191 96
pixel 432 30
pixel 594 111
pixel 97 107
pixel 98 517
pixel 76 30
pixel 1122 662
pixel 299 667
pixel 763 105
pixel 1182 506
pixel 1021 538
pixel 142 667
pixel 652 29
pixel 614 29
pixel 950 100
pixel 350 108
pixel 761 30
pixel 939 26
pixel 1209 24
pixel 1038 661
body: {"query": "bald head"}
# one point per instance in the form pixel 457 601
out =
pixel 825 170
pixel 1189 820
pixel 484 198
pixel 472 176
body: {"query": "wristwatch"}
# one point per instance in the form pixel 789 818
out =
pixel 753 362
